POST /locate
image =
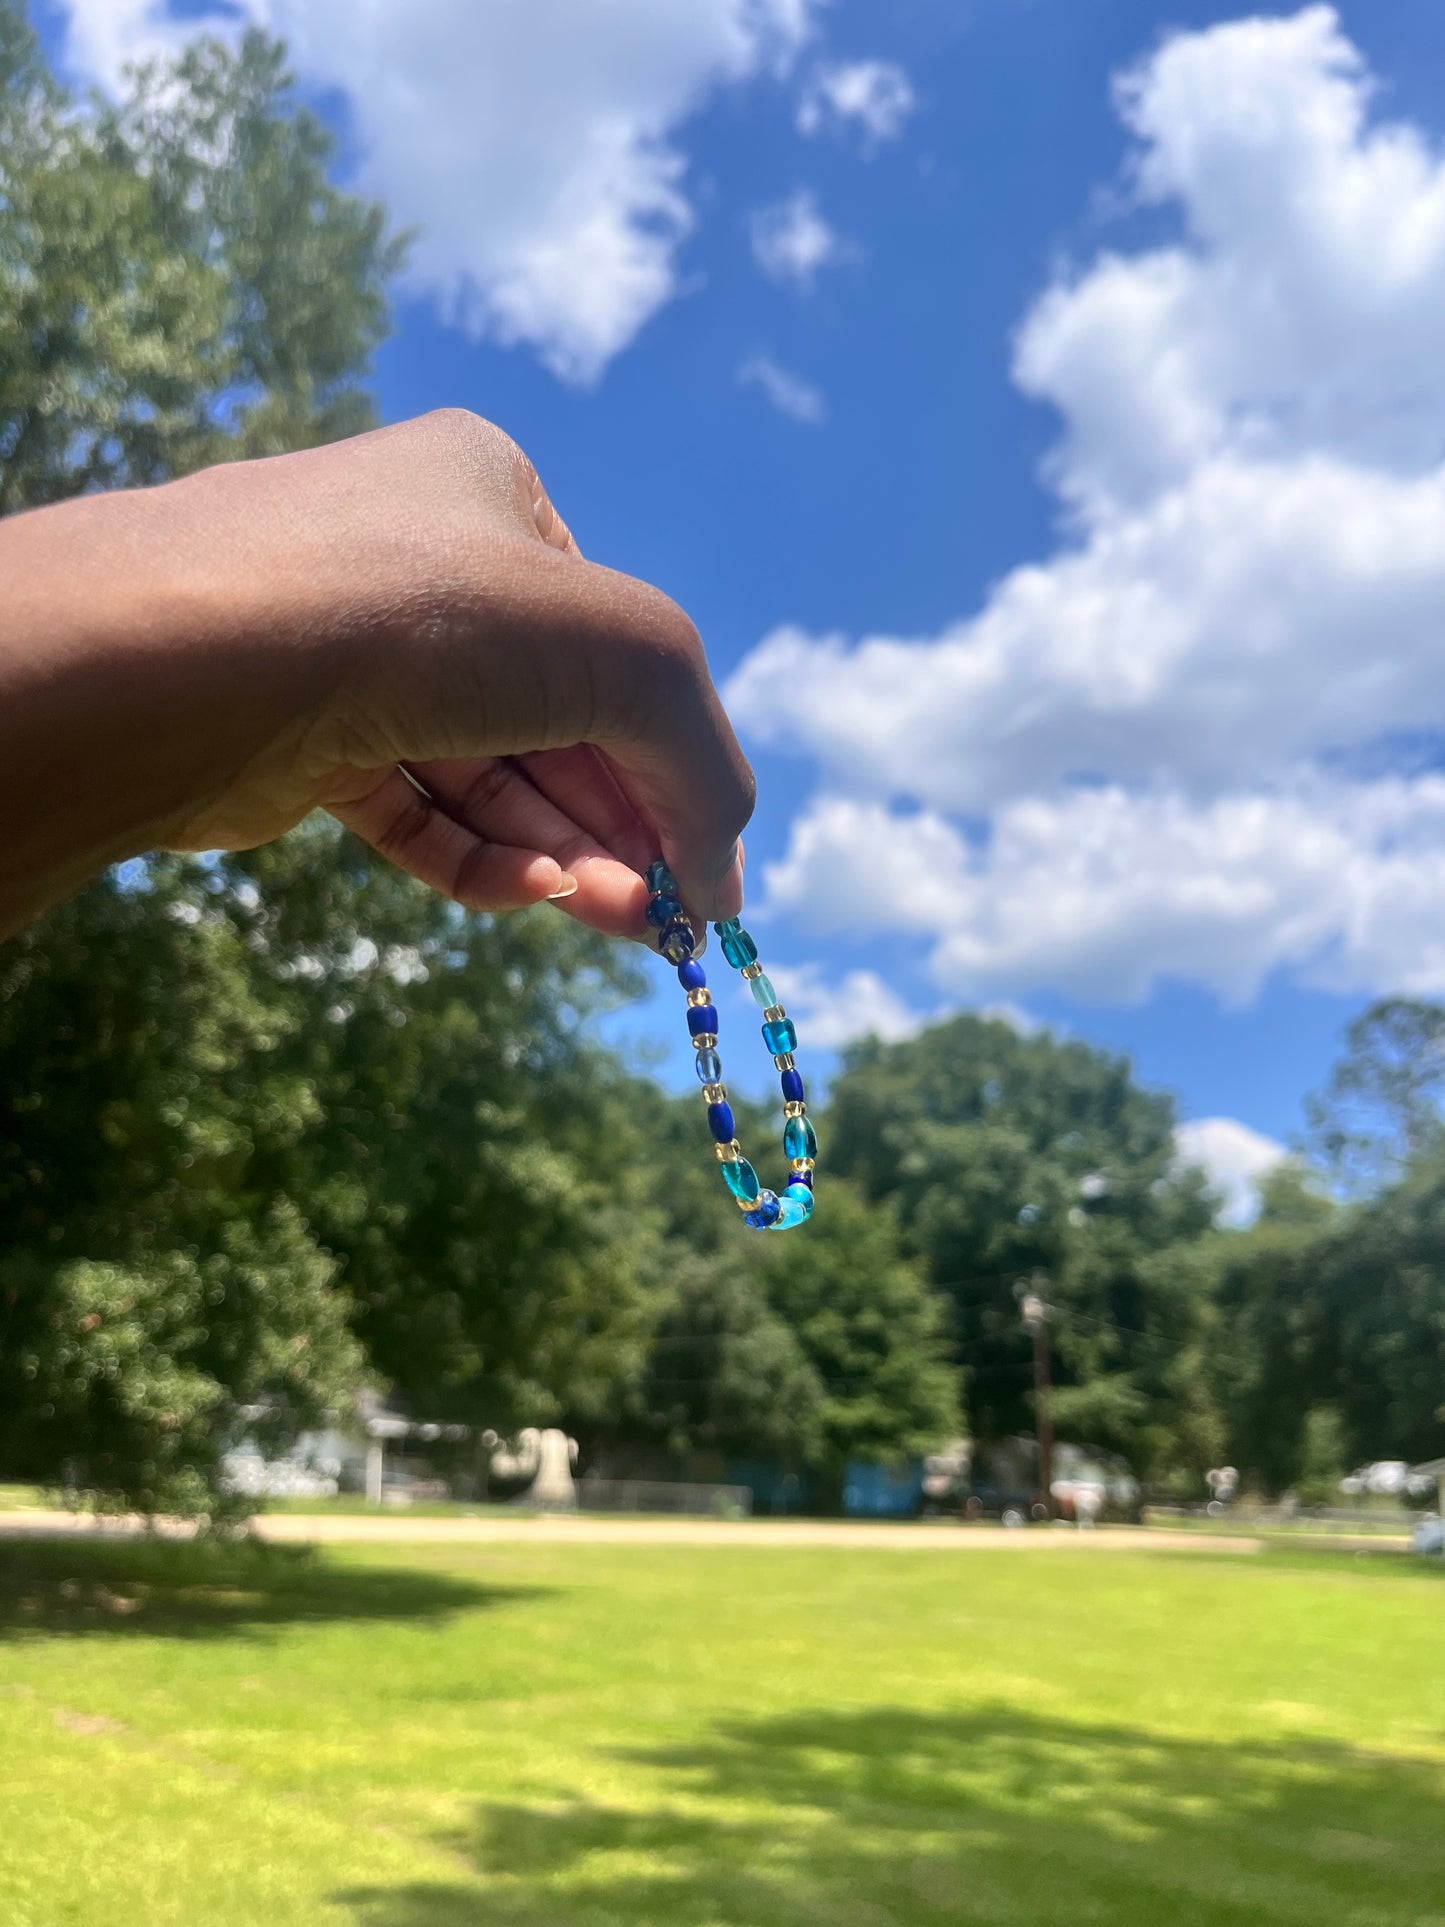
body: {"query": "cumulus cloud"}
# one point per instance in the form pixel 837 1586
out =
pixel 792 241
pixel 533 147
pixel 790 394
pixel 1200 740
pixel 1103 892
pixel 874 96
pixel 1234 1157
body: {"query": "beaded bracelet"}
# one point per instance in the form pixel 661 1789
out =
pixel 763 1210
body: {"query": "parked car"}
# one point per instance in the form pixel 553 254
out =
pixel 1429 1536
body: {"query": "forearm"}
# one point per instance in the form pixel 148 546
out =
pixel 129 688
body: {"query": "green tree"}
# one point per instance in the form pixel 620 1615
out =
pixel 1008 1155
pixel 179 281
pixel 272 1124
pixel 811 1347
pixel 1384 1105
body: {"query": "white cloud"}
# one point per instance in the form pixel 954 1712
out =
pixel 876 96
pixel 1234 1157
pixel 831 1014
pixel 790 394
pixel 792 241
pixel 1259 613
pixel 1198 740
pixel 533 146
pixel 1103 892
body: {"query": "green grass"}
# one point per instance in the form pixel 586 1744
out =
pixel 540 1736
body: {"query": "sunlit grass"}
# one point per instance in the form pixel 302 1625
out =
pixel 586 1736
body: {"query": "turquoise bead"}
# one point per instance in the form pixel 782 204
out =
pixel 780 1037
pixel 800 1140
pixel 739 949
pixel 764 996
pixel 795 1207
pixel 741 1179
pixel 709 1071
pixel 728 929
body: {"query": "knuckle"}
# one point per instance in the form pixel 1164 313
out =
pixel 671 631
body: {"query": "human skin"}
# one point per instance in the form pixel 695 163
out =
pixel 199 665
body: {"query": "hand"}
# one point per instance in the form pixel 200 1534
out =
pixel 397 628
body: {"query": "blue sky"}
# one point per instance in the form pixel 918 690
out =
pixel 1113 413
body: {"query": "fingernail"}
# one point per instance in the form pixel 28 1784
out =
pixel 568 888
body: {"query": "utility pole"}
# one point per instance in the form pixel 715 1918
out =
pixel 1035 1309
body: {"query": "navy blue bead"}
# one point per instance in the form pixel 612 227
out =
pixel 701 1018
pixel 662 910
pixel 792 1082
pixel 691 975
pixel 801 1177
pixel 720 1122
pixel 765 1212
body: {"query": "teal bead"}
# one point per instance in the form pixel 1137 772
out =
pixel 741 1179
pixel 739 949
pixel 764 996
pixel 795 1207
pixel 780 1037
pixel 800 1140
pixel 728 929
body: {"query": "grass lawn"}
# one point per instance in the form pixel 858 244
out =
pixel 589 1736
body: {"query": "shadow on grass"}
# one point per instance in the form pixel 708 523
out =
pixel 898 1818
pixel 210 1588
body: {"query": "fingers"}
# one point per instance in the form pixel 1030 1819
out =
pixel 494 800
pixel 582 786
pixel 414 834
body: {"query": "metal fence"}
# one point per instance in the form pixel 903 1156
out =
pixel 665 1495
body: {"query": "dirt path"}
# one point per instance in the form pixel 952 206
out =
pixel 525 1529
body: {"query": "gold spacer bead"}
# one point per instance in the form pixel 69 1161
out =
pixel 705 1040
pixel 727 1153
pixel 795 1107
pixel 801 1164
pixel 751 970
pixel 784 1061
pixel 714 1093
pixel 746 1204
pixel 697 998
pixel 774 1014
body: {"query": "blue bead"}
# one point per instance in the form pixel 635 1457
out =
pixel 660 880
pixel 691 975
pixel 720 1122
pixel 795 1207
pixel 802 1177
pixel 741 1179
pixel 765 1212
pixel 739 949
pixel 780 1037
pixel 702 1020
pixel 662 910
pixel 764 996
pixel 792 1082
pixel 800 1140
pixel 708 1066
